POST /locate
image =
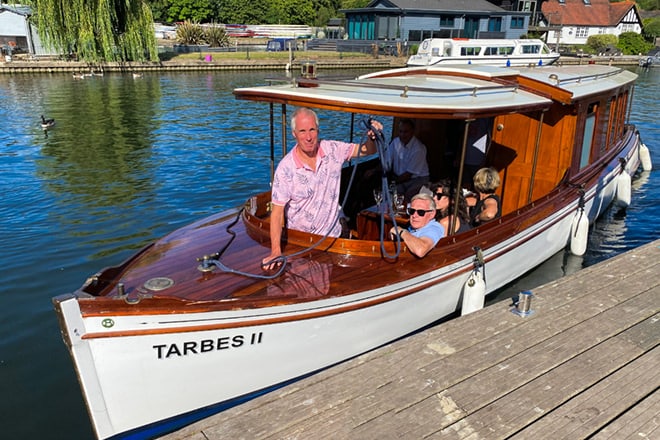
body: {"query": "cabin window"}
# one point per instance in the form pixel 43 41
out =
pixel 435 51
pixel 529 48
pixel 495 24
pixel 517 22
pixel 471 51
pixel 589 128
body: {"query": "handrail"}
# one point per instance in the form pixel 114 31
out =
pixel 309 82
pixel 579 78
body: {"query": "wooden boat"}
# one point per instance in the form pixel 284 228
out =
pixel 192 323
pixel 494 52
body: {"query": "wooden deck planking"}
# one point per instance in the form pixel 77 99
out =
pixel 643 421
pixel 578 366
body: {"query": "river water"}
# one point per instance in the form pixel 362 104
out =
pixel 128 161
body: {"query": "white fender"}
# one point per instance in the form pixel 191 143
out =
pixel 579 233
pixel 623 189
pixel 474 292
pixel 645 157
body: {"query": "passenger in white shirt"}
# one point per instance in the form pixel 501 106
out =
pixel 407 155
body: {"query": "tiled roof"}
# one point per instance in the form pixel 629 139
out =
pixel 579 13
pixel 440 5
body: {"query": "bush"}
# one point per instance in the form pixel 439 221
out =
pixel 216 36
pixel 190 33
pixel 600 42
pixel 632 43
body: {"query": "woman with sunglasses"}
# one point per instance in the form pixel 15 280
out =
pixel 424 231
pixel 445 206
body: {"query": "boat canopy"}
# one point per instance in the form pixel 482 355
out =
pixel 580 81
pixel 452 93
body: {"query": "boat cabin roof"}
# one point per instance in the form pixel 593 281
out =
pixel 424 92
pixel 444 92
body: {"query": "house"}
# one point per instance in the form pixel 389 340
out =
pixel 18 34
pixel 572 22
pixel 415 20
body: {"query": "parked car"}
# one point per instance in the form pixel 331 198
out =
pixel 280 44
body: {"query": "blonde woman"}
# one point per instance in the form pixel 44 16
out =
pixel 485 206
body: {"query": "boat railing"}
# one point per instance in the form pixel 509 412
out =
pixel 404 89
pixel 579 78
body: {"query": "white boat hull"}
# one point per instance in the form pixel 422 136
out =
pixel 171 368
pixel 416 61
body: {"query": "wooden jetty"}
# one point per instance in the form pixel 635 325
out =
pixel 584 364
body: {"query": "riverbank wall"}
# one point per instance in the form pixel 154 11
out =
pixel 76 67
pixel 210 63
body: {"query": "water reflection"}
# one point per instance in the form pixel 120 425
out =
pixel 99 153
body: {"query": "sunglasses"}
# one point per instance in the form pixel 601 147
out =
pixel 420 212
pixel 440 195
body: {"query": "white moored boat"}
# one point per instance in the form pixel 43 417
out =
pixel 496 52
pixel 164 339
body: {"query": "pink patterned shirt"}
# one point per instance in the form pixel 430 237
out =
pixel 311 199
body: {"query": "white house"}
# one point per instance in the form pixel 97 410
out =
pixel 574 21
pixel 18 34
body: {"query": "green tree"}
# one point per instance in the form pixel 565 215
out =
pixel 652 28
pixel 632 43
pixel 298 12
pixel 354 4
pixel 110 30
pixel 243 12
pixel 599 42
pixel 194 10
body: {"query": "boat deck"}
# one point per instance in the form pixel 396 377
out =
pixel 583 365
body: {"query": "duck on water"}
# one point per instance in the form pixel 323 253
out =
pixel 192 323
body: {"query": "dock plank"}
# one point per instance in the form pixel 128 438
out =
pixel 601 404
pixel 585 354
pixel 643 421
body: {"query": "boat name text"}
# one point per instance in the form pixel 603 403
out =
pixel 164 351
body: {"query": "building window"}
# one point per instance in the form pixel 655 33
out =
pixel 526 6
pixel 495 24
pixel 581 32
pixel 517 22
pixel 447 20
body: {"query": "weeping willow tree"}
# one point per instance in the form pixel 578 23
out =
pixel 98 30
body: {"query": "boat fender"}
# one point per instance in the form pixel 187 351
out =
pixel 579 232
pixel 623 189
pixel 645 157
pixel 474 292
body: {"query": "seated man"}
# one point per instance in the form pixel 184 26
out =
pixel 407 156
pixel 424 231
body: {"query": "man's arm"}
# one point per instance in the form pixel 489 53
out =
pixel 418 246
pixel 369 147
pixel 276 224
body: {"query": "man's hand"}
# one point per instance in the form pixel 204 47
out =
pixel 272 262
